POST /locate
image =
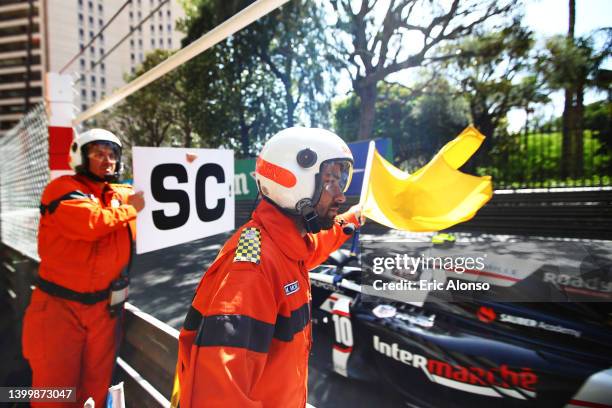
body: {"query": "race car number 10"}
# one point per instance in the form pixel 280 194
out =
pixel 344 330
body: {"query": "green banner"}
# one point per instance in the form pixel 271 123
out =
pixel 244 179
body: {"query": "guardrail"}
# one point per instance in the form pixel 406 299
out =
pixel 149 348
pixel 147 360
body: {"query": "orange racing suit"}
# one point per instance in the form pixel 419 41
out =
pixel 247 336
pixel 84 242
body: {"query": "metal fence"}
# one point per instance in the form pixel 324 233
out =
pixel 24 173
pixel 535 158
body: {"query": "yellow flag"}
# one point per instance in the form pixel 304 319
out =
pixel 435 197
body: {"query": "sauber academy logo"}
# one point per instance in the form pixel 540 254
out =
pixel 488 315
pixel 498 382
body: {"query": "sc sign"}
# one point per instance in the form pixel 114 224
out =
pixel 188 195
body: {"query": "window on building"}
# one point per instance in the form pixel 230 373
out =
pixel 140 43
pixel 132 43
pixel 139 15
pixel 91 35
pixel 101 37
pixel 100 8
pixel 92 64
pixel 82 61
pixel 152 28
pixel 168 13
pixel 94 95
pixel 81 34
pixel 103 81
pixel 101 51
pixel 91 20
pixel 102 67
pixel 170 42
pixel 132 57
pixel 131 15
pixel 83 94
pixel 80 18
pixel 100 22
pixel 153 42
pixel 90 6
pixel 93 79
pixel 92 50
pixel 169 27
pixel 83 107
pixel 161 28
pixel 140 57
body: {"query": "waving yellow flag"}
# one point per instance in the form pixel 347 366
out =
pixel 435 197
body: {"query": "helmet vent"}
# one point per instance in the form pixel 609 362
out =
pixel 306 158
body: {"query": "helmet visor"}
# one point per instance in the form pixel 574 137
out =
pixel 336 175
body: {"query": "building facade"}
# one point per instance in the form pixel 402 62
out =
pixel 38 36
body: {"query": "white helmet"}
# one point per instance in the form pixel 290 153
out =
pixel 289 166
pixel 78 154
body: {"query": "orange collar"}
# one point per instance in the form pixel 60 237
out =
pixel 96 187
pixel 283 231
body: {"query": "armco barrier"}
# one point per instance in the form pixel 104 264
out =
pixel 149 348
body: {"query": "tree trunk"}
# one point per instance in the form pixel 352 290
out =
pixel 566 144
pixel 577 134
pixel 367 110
pixel 485 125
pixel 188 137
pixel 567 157
pixel 290 107
pixel 244 136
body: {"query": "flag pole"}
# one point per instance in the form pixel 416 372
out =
pixel 366 172
pixel 364 191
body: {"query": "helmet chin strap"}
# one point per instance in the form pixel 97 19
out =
pixel 310 219
pixel 90 175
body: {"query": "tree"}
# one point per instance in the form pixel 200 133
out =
pixel 271 74
pixel 378 47
pixel 492 71
pixel 156 115
pixel 294 46
pixel 572 66
pixel 418 122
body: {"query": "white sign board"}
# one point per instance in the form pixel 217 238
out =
pixel 188 195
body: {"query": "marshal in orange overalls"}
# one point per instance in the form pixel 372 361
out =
pixel 84 242
pixel 247 336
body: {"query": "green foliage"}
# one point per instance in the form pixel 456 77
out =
pixel 374 45
pixel 564 63
pixel 156 115
pixel 492 71
pixel 534 160
pixel 419 123
pixel 271 74
pixel 598 118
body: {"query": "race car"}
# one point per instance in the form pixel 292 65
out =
pixel 472 351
